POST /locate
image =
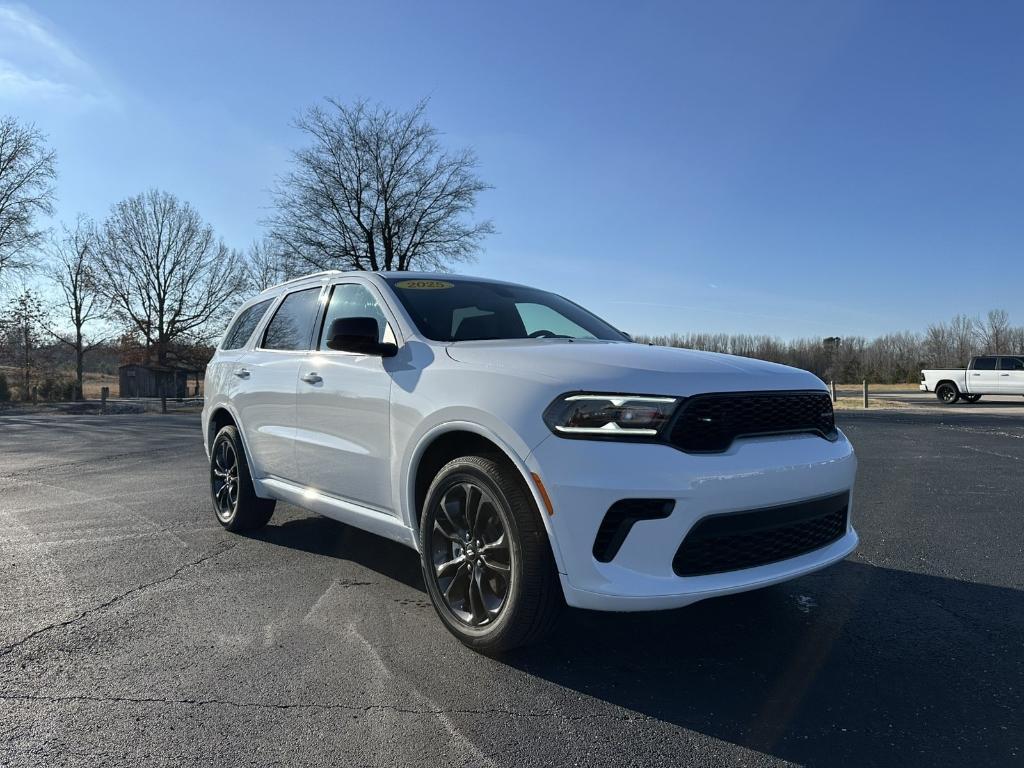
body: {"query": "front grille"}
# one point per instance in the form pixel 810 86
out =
pixel 730 542
pixel 709 423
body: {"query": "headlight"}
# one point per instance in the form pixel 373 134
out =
pixel 610 417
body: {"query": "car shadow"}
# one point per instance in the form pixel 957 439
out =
pixel 854 665
pixel 330 538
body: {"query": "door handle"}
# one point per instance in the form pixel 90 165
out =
pixel 243 373
pixel 975 374
pixel 312 378
pixel 1004 374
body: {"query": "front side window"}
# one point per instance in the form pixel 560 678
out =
pixel 292 325
pixel 240 331
pixel 354 300
pixel 1011 364
pixel 471 310
pixel 985 364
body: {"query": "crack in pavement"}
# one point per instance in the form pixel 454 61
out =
pixel 272 705
pixel 8 649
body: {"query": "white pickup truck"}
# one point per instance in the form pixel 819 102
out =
pixel 986 375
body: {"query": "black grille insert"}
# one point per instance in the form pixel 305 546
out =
pixel 618 522
pixel 709 423
pixel 737 540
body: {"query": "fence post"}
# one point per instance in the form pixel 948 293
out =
pixel 865 393
pixel 104 394
pixel 832 389
pixel 35 395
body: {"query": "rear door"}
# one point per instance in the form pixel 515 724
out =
pixel 268 375
pixel 983 376
pixel 1011 375
pixel 343 440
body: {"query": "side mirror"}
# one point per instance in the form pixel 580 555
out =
pixel 359 335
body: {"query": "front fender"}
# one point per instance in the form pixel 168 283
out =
pixel 486 426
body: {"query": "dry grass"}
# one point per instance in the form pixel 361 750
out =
pixel 858 386
pixel 95 381
pixel 874 403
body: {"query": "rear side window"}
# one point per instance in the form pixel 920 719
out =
pixel 240 331
pixel 292 324
pixel 1011 364
pixel 985 364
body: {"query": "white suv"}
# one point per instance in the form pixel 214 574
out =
pixel 531 453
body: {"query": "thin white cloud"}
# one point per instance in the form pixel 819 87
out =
pixel 36 64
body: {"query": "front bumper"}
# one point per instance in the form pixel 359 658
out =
pixel 584 478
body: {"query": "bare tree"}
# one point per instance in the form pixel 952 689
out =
pixel 164 273
pixel 267 264
pixel 994 333
pixel 27 172
pixel 938 346
pixel 74 270
pixel 375 190
pixel 961 329
pixel 22 324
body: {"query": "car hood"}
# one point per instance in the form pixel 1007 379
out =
pixel 605 366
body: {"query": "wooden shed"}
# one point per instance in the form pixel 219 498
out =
pixel 136 380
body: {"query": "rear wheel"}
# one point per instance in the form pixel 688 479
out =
pixel 947 393
pixel 235 502
pixel 486 558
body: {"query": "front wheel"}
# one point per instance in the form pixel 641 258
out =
pixel 235 502
pixel 947 393
pixel 486 558
pixel 971 398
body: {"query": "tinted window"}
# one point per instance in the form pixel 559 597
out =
pixel 240 331
pixel 292 325
pixel 352 300
pixel 985 364
pixel 1011 364
pixel 464 310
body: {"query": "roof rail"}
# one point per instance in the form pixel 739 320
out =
pixel 307 277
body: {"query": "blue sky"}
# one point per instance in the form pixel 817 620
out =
pixel 793 168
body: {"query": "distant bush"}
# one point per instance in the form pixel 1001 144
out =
pixel 5 390
pixel 56 390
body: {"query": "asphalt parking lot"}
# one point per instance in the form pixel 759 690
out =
pixel 134 631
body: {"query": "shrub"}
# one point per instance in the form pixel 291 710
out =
pixel 56 390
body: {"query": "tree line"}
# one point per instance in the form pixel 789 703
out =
pixel 889 359
pixel 371 188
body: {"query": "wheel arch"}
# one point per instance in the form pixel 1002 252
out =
pixel 460 438
pixel 940 382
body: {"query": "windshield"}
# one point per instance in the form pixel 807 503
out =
pixel 471 310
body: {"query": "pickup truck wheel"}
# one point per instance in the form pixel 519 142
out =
pixel 235 503
pixel 947 393
pixel 486 558
pixel 971 398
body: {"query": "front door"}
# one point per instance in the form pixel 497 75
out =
pixel 983 378
pixel 1011 375
pixel 343 440
pixel 265 398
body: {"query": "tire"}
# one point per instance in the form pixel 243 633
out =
pixel 486 503
pixel 947 393
pixel 971 398
pixel 235 502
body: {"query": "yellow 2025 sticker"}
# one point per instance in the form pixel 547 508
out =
pixel 424 285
